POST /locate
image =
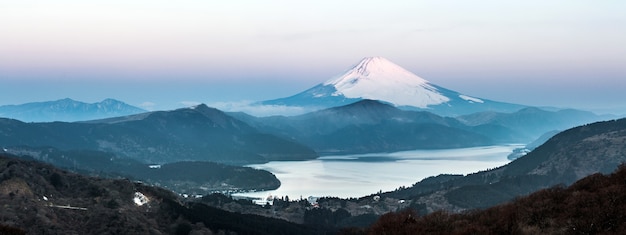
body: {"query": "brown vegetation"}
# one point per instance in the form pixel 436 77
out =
pixel 593 205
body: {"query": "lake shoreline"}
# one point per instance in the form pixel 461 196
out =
pixel 358 175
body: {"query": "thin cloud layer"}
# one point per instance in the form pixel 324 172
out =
pixel 251 108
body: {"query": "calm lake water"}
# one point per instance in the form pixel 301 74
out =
pixel 363 174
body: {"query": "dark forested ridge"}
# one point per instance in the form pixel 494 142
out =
pixel 192 178
pixel 569 156
pixel 37 198
pixel 595 204
pixel 190 134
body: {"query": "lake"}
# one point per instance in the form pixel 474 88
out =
pixel 359 175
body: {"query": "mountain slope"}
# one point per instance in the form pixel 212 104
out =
pixel 193 178
pixel 67 110
pixel 377 78
pixel 372 123
pixel 369 126
pixel 40 199
pixel 190 134
pixel 595 204
pixel 567 157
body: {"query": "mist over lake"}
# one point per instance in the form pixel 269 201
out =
pixel 364 174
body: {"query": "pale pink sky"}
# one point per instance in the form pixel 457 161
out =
pixel 559 53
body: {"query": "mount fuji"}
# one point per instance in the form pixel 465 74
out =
pixel 377 78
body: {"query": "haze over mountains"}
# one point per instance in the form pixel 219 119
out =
pixel 373 78
pixel 201 133
pixel 376 106
pixel 368 126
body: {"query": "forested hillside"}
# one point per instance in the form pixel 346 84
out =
pixel 37 198
pixel 595 204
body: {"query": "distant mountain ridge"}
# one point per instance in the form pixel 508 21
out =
pixel 369 126
pixel 377 78
pixel 530 123
pixel 67 110
pixel 199 133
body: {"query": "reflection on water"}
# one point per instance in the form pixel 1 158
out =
pixel 363 174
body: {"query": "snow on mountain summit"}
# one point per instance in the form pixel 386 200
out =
pixel 381 79
pixel 374 68
pixel 376 78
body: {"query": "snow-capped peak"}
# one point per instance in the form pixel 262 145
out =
pixel 380 79
pixel 372 66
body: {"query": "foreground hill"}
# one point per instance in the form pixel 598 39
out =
pixel 595 204
pixel 190 134
pixel 67 110
pixel 39 199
